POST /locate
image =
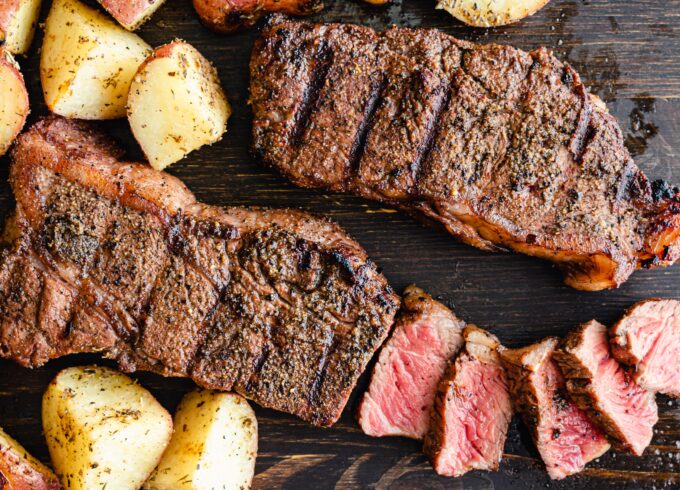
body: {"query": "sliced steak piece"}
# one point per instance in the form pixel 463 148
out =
pixel 648 337
pixel 564 435
pixel 404 381
pixel 112 257
pixel 602 387
pixel 472 409
pixel 506 149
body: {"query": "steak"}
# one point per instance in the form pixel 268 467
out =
pixel 105 256
pixel 472 409
pixel 648 338
pixel 503 148
pixel 599 385
pixel 404 381
pixel 564 435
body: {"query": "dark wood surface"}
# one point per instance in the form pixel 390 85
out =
pixel 629 54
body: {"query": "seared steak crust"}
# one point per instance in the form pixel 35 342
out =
pixel 505 148
pixel 278 305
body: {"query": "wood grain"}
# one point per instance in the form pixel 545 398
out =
pixel 629 54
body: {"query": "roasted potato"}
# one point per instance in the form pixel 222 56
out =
pixel 176 104
pixel 21 471
pixel 103 430
pixel 233 15
pixel 18 19
pixel 87 62
pixel 13 102
pixel 214 446
pixel 490 13
pixel 131 13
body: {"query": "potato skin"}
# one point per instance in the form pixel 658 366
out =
pixel 131 13
pixel 18 19
pixel 227 16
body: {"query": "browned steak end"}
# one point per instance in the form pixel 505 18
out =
pixel 472 409
pixel 599 385
pixel 648 338
pixel 564 435
pixel 404 381
pixel 104 256
pixel 506 149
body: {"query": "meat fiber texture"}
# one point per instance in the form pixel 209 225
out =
pixel 601 386
pixel 404 381
pixel 647 338
pixel 105 256
pixel 564 435
pixel 506 149
pixel 472 409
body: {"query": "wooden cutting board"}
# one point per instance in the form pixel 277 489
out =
pixel 629 54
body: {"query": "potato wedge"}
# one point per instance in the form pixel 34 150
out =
pixel 18 19
pixel 176 104
pixel 103 430
pixel 13 102
pixel 214 446
pixel 131 13
pixel 87 62
pixel 21 471
pixel 491 13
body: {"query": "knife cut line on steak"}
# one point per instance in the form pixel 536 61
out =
pixel 112 257
pixel 505 149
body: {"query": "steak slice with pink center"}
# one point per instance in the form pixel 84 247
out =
pixel 404 381
pixel 472 409
pixel 565 437
pixel 648 337
pixel 600 385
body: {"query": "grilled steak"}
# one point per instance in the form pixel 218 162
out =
pixel 472 409
pixel 648 337
pixel 505 149
pixel 104 256
pixel 404 380
pixel 564 435
pixel 599 385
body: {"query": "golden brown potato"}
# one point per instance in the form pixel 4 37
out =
pixel 214 446
pixel 87 62
pixel 13 101
pixel 21 471
pixel 490 13
pixel 176 104
pixel 18 19
pixel 131 13
pixel 103 430
pixel 233 15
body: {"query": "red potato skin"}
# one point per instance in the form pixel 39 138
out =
pixel 127 11
pixel 6 63
pixel 227 16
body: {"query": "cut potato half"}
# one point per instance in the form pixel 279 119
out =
pixel 21 471
pixel 131 13
pixel 103 430
pixel 176 104
pixel 490 13
pixel 214 446
pixel 87 62
pixel 13 103
pixel 18 19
